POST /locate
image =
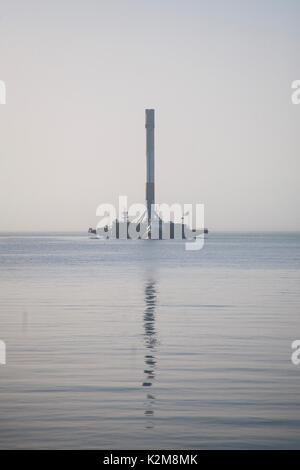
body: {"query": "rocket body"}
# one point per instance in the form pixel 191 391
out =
pixel 150 188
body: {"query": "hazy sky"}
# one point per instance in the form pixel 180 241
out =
pixel 79 75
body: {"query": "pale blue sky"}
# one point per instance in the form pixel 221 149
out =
pixel 79 75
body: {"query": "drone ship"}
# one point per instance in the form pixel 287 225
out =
pixel 148 225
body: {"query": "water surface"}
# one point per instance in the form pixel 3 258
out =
pixel 141 344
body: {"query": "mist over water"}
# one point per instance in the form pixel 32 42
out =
pixel 141 344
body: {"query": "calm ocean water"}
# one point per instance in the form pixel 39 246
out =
pixel 145 345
